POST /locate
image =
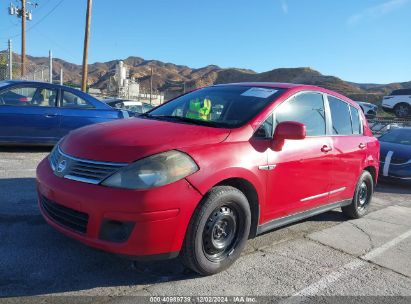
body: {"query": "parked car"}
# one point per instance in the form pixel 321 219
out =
pixel 199 184
pixel 134 106
pixel 42 113
pixel 370 110
pixel 395 161
pixel 398 102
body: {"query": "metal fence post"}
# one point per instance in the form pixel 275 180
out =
pixel 10 60
pixel 61 76
pixel 50 67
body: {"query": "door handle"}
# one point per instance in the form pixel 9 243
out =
pixel 326 148
pixel 51 115
pixel 361 146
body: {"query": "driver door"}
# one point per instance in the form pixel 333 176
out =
pixel 300 177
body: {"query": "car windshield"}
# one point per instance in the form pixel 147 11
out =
pixel 398 136
pixel 218 106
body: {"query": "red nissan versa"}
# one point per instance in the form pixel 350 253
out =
pixel 258 156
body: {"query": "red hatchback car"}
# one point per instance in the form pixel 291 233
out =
pixel 204 172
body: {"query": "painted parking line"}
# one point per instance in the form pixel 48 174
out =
pixel 343 271
pixel 17 170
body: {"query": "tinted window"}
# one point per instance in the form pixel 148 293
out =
pixel 71 100
pixel 401 92
pixel 220 106
pixel 265 130
pixel 355 119
pixel 340 115
pixel 28 96
pixel 306 108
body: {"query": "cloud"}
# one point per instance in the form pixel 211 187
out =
pixel 377 11
pixel 284 6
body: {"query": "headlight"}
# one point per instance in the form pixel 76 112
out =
pixel 153 171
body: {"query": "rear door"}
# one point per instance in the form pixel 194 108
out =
pixel 28 114
pixel 301 174
pixel 76 112
pixel 349 148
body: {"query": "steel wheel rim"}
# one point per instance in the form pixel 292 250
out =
pixel 220 235
pixel 363 196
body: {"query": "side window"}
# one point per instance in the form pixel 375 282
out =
pixel 22 96
pixel 340 115
pixel 71 100
pixel 265 130
pixel 355 120
pixel 44 98
pixel 305 108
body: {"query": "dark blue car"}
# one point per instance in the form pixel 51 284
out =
pixel 41 113
pixel 396 155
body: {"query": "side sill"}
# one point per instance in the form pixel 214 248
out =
pixel 299 216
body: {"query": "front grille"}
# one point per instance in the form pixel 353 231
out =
pixel 88 171
pixel 72 219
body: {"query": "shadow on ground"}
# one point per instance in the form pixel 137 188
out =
pixel 27 149
pixel 37 260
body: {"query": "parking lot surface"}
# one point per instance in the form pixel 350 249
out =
pixel 323 255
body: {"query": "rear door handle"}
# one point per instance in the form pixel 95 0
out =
pixel 361 146
pixel 326 148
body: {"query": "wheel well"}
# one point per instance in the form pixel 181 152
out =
pixel 251 194
pixel 373 173
pixel 402 103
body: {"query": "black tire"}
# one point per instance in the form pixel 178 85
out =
pixel 402 110
pixel 362 197
pixel 218 231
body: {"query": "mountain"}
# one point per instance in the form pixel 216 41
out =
pixel 170 77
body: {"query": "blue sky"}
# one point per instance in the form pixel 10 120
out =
pixel 357 40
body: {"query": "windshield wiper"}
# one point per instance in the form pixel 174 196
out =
pixel 184 119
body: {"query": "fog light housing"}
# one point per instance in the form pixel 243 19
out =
pixel 116 231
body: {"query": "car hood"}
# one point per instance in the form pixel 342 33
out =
pixel 131 139
pixel 400 151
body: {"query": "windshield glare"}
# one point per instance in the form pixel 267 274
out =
pixel 399 136
pixel 220 106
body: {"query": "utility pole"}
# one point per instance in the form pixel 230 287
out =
pixel 23 37
pixel 151 86
pixel 24 14
pixel 10 60
pixel 50 67
pixel 86 43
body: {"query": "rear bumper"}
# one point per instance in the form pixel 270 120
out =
pixel 157 219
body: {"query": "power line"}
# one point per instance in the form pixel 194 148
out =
pixel 39 21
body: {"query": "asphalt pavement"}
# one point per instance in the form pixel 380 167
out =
pixel 322 256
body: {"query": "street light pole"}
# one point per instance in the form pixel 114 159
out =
pixel 86 43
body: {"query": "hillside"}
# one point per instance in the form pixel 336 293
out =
pixel 169 76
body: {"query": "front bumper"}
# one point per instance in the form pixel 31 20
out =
pixel 388 109
pixel 396 173
pixel 158 217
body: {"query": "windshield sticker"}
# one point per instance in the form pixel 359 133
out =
pixel 259 92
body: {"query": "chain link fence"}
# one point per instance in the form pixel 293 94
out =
pixel 33 71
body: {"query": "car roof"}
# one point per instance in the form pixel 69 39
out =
pixel 278 85
pixel 17 81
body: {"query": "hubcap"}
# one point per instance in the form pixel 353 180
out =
pixel 363 195
pixel 220 233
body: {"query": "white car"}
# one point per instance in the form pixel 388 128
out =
pixel 369 109
pixel 398 102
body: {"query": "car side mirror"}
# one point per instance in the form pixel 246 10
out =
pixel 288 130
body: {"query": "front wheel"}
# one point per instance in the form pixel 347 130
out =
pixel 218 231
pixel 362 197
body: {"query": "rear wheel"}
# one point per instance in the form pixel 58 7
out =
pixel 362 197
pixel 402 110
pixel 218 231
